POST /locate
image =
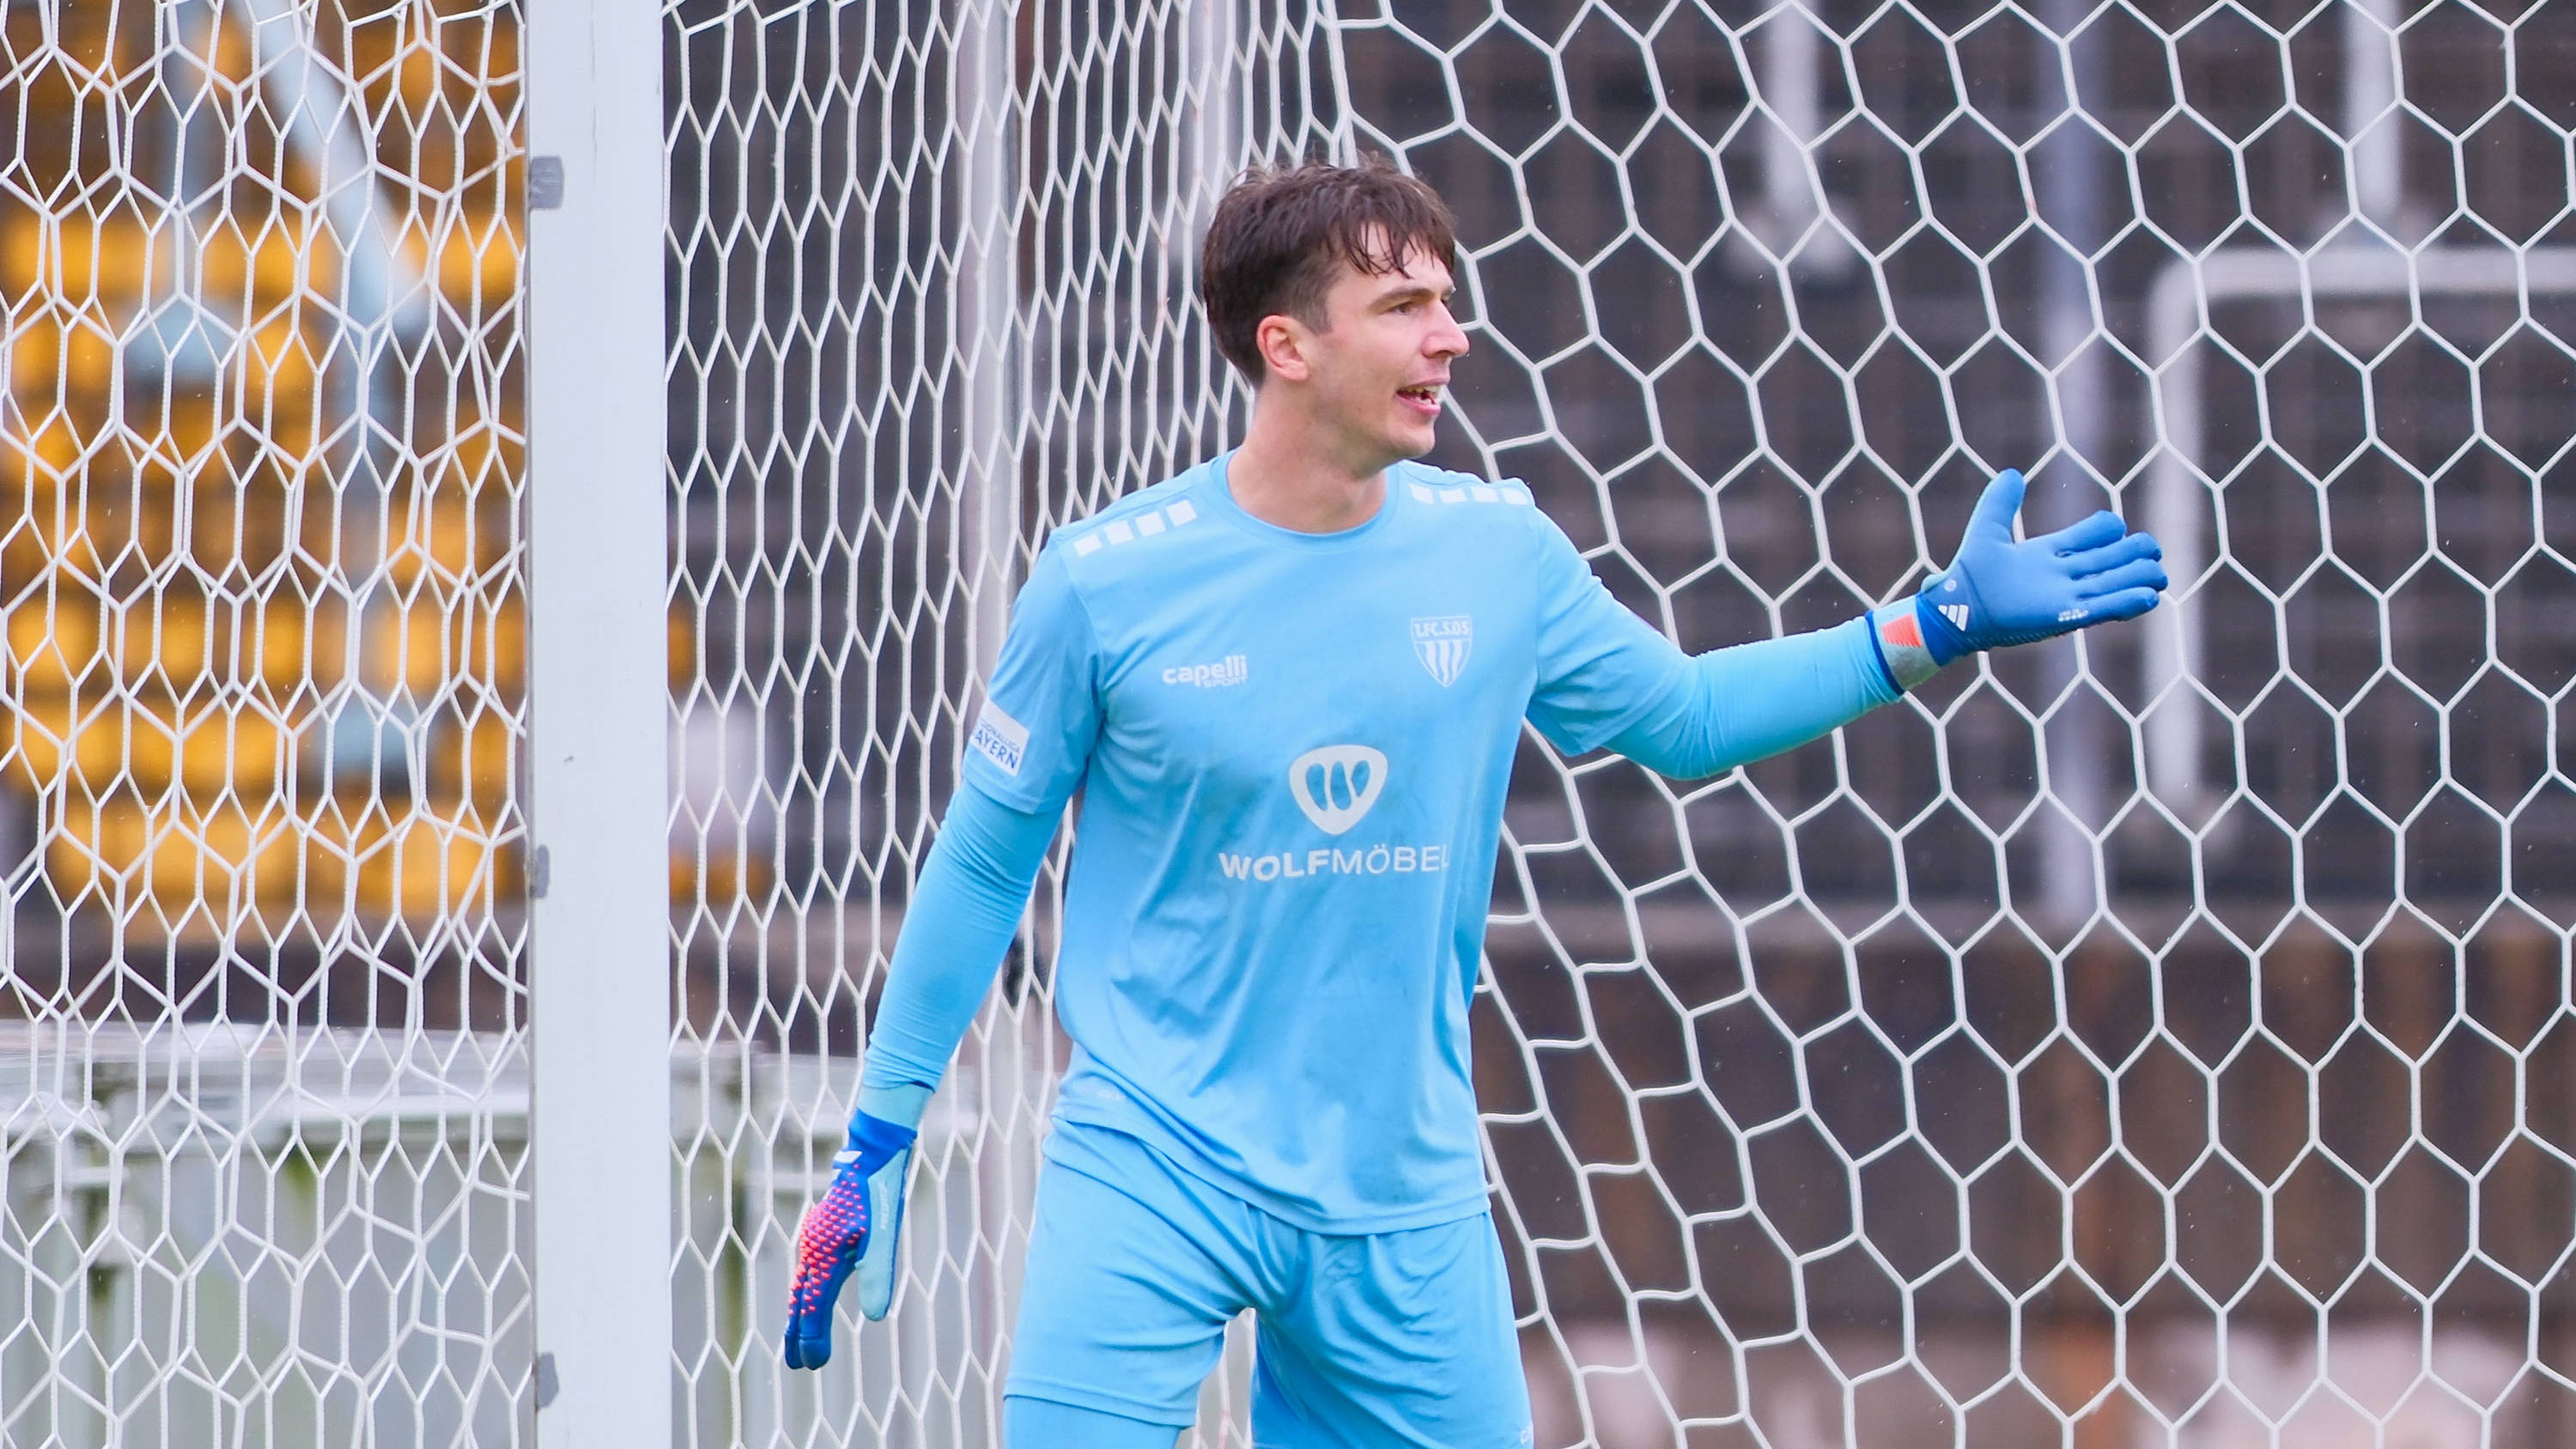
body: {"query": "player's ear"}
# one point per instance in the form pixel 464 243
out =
pixel 1282 341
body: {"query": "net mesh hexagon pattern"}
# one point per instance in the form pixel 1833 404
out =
pixel 262 1057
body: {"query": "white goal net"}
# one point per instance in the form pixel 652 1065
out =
pixel 263 1099
pixel 2163 1040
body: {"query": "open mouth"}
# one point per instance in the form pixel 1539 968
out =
pixel 1425 397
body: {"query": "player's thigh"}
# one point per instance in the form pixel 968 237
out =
pixel 1126 1297
pixel 1042 1424
pixel 1401 1339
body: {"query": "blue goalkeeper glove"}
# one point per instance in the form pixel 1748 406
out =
pixel 856 1226
pixel 2000 591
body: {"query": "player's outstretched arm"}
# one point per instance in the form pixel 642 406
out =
pixel 1733 706
pixel 962 917
pixel 1730 707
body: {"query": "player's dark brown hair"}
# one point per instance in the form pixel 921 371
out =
pixel 1282 234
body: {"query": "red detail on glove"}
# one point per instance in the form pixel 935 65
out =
pixel 1902 631
pixel 831 1237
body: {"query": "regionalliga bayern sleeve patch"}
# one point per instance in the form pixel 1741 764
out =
pixel 1000 739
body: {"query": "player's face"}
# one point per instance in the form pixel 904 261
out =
pixel 1382 364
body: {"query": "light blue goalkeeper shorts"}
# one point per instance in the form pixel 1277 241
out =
pixel 1135 1267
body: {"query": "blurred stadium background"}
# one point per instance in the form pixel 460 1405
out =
pixel 2166 1042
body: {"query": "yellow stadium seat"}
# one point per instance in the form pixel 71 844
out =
pixel 195 870
pixel 409 862
pixel 724 881
pixel 123 746
pixel 246 521
pixel 432 533
pixel 22 250
pixel 471 765
pixel 85 261
pixel 442 868
pixel 97 846
pixel 260 266
pixel 495 647
pixel 40 733
pixel 62 368
pixel 35 461
pixel 479 262
pixel 163 634
pixel 277 373
pixel 53 639
pixel 427 641
pixel 163 723
pixel 239 753
pixel 344 843
pixel 232 857
pixel 302 648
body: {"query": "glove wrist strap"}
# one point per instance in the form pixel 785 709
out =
pixel 876 1138
pixel 901 1104
pixel 1898 633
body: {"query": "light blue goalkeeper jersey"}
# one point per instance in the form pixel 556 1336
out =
pixel 1291 752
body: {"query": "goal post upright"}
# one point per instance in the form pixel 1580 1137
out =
pixel 598 701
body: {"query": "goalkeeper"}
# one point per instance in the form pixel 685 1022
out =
pixel 1288 685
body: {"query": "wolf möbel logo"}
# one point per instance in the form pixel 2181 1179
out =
pixel 1336 785
pixel 1442 643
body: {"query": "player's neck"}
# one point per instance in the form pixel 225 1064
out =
pixel 1287 475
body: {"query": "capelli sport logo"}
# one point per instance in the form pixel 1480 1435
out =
pixel 1337 784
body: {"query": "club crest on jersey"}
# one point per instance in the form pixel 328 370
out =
pixel 1441 643
pixel 1336 785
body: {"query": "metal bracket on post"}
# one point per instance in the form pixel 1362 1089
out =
pixel 599 927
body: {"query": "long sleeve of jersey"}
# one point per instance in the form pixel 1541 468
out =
pixel 1730 707
pixel 1606 677
pixel 964 910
